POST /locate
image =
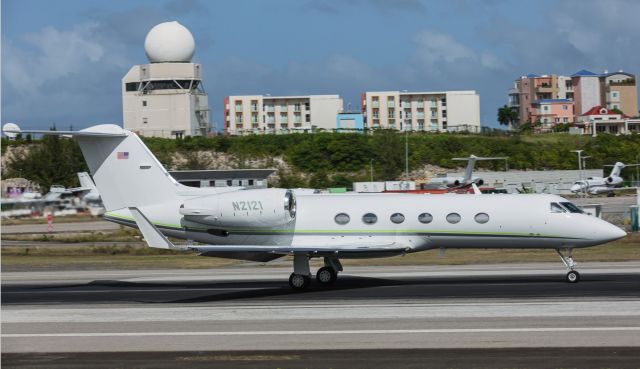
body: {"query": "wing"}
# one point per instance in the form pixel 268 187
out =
pixel 156 239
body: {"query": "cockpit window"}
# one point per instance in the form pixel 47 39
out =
pixel 555 208
pixel 572 207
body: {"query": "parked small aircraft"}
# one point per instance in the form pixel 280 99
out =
pixel 467 180
pixel 600 185
pixel 266 224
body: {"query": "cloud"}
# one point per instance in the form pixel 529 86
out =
pixel 436 49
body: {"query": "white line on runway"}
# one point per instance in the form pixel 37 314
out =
pixel 363 331
pixel 134 290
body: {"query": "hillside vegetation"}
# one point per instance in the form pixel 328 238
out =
pixel 337 159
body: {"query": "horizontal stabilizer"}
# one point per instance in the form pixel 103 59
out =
pixel 103 130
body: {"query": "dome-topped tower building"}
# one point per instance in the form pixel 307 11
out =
pixel 165 98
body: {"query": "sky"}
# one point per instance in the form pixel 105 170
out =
pixel 63 61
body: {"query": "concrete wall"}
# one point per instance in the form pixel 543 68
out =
pixel 463 108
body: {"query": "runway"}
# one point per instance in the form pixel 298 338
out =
pixel 251 310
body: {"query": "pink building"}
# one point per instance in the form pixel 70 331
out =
pixel 550 112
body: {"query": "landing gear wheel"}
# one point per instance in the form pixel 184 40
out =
pixel 299 281
pixel 326 275
pixel 573 276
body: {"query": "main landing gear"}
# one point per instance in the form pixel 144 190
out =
pixel 300 279
pixel 565 255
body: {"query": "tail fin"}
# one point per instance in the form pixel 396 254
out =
pixel 617 168
pixel 125 172
pixel 86 181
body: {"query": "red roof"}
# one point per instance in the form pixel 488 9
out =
pixel 596 111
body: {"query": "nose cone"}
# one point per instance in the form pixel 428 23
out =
pixel 609 232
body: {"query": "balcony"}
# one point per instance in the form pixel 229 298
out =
pixel 254 108
pixel 238 107
pixel 375 104
pixel 544 89
pixel 420 104
pixel 406 105
pixel 391 104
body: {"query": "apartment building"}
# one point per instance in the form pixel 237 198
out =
pixel 586 89
pixel 258 114
pixel 422 111
pixel 550 112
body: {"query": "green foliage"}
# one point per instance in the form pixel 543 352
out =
pixel 53 160
pixel 507 115
pixel 336 159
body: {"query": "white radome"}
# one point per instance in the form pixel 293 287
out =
pixel 169 42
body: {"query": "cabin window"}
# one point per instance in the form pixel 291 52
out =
pixel 369 218
pixel 397 218
pixel 482 218
pixel 453 218
pixel 342 218
pixel 425 218
pixel 555 208
pixel 572 207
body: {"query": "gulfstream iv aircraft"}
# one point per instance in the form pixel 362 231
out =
pixel 266 224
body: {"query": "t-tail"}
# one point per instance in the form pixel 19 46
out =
pixel 125 172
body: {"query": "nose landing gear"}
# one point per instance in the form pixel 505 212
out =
pixel 565 255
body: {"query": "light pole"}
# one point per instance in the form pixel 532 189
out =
pixel 371 168
pixel 579 162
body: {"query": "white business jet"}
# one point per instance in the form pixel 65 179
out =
pixel 600 185
pixel 266 224
pixel 468 179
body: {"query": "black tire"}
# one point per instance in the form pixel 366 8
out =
pixel 299 281
pixel 573 276
pixel 326 275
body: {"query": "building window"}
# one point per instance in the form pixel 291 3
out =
pixel 425 218
pixel 453 218
pixel 132 86
pixel 145 120
pixel 342 218
pixel 482 218
pixel 397 218
pixel 564 107
pixel 144 102
pixel 369 218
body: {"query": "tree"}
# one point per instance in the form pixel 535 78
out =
pixel 53 160
pixel 507 116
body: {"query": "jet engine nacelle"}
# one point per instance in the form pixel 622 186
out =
pixel 245 208
pixel 478 181
pixel 614 180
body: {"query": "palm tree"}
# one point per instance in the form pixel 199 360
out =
pixel 507 116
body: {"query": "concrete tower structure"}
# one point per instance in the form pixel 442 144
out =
pixel 165 98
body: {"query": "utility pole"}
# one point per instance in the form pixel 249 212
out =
pixel 406 153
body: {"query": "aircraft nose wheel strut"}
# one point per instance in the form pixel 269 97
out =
pixel 566 256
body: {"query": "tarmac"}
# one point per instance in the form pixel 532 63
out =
pixel 248 317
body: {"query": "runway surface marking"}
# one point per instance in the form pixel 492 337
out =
pixel 338 332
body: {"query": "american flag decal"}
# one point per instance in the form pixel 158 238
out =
pixel 123 154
